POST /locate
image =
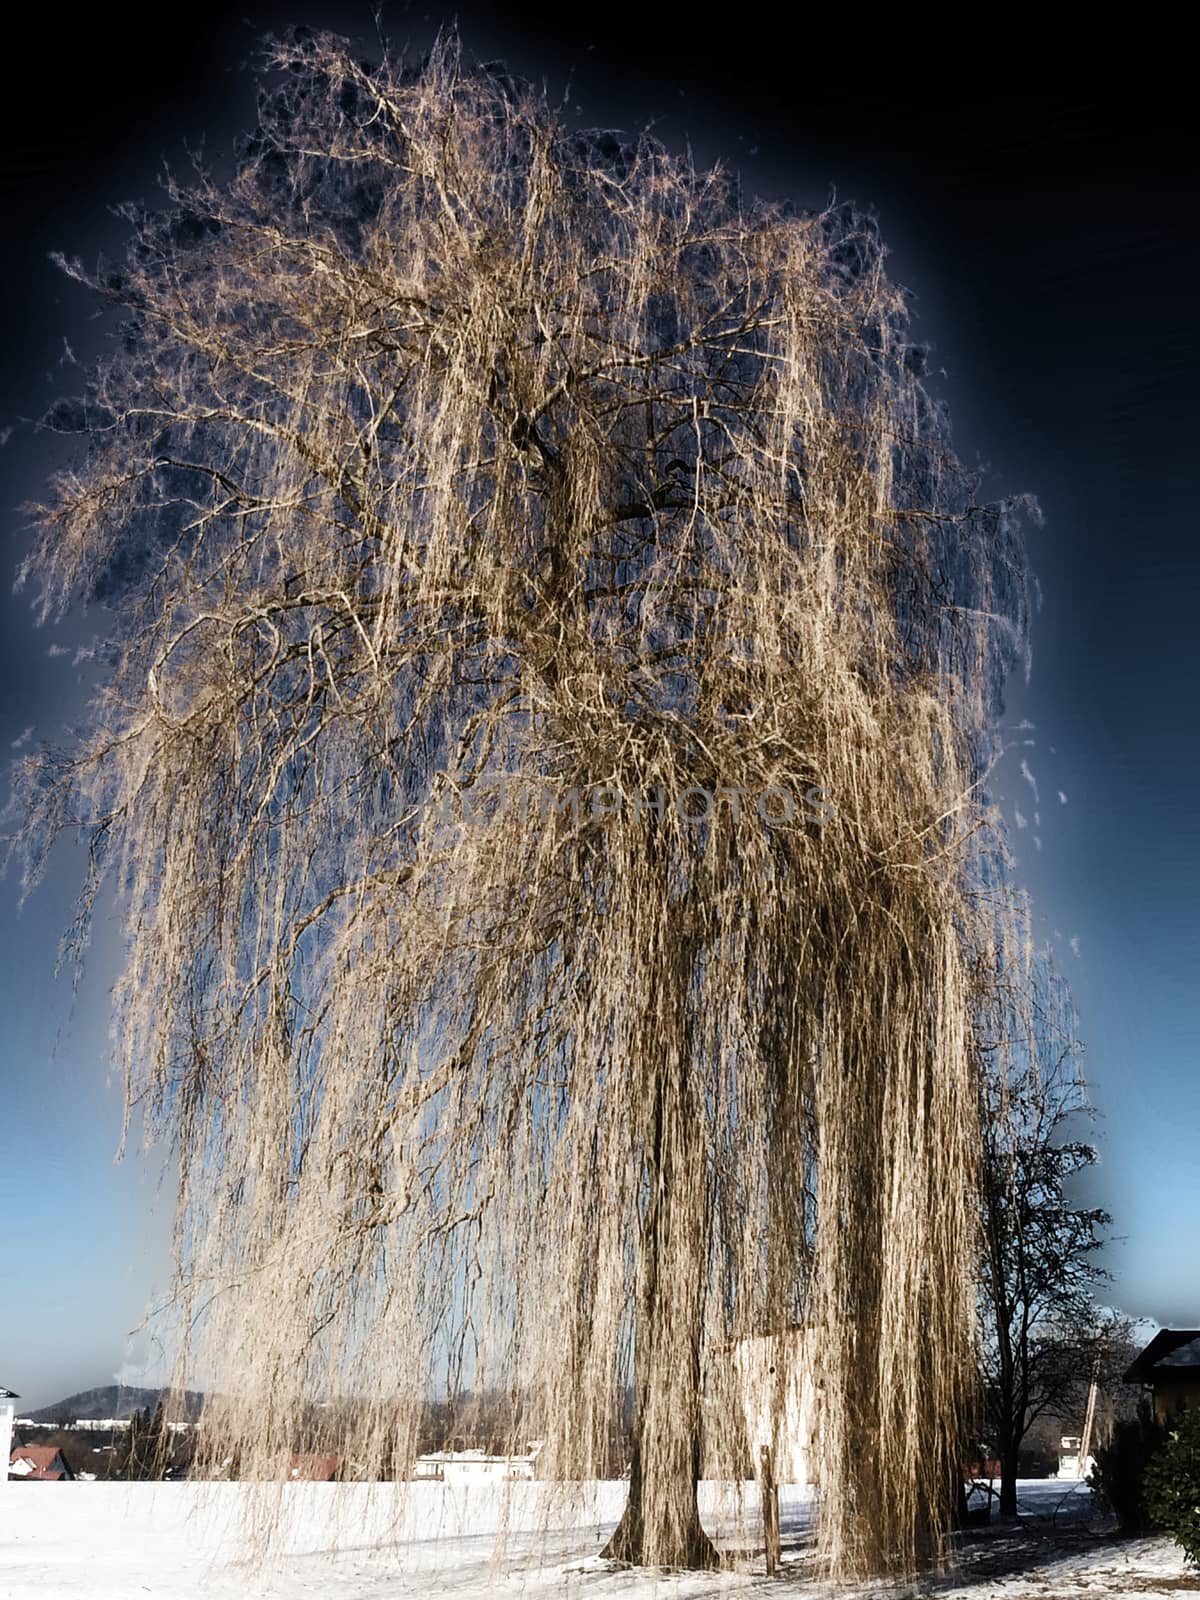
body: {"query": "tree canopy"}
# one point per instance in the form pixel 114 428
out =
pixel 553 650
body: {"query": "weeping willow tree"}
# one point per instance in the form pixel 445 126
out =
pixel 551 653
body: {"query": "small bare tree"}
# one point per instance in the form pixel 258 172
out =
pixel 553 647
pixel 1043 1336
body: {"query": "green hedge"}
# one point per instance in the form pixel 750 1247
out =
pixel 1172 1487
pixel 1118 1477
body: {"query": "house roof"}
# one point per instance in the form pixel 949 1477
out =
pixel 1170 1350
pixel 8 1394
pixel 314 1468
pixel 38 1463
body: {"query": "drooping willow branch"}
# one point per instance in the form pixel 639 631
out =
pixel 444 450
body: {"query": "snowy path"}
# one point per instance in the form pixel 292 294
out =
pixel 109 1541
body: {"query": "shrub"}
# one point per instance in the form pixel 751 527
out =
pixel 1118 1477
pixel 1172 1491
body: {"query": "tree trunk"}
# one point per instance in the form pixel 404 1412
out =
pixel 1008 1479
pixel 661 1524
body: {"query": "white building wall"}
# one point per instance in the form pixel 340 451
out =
pixel 776 1382
pixel 475 1466
pixel 6 1432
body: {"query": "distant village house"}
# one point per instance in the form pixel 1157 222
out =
pixel 475 1466
pixel 38 1463
pixel 1170 1367
pixel 314 1468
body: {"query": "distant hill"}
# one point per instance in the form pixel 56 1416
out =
pixel 114 1400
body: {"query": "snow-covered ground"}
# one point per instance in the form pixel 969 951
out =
pixel 185 1541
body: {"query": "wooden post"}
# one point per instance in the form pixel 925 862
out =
pixel 1085 1443
pixel 770 1508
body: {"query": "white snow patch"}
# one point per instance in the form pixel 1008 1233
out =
pixel 187 1541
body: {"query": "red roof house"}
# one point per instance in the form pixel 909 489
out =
pixel 314 1468
pixel 38 1463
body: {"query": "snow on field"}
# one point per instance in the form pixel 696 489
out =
pixel 187 1541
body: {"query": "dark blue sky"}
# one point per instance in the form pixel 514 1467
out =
pixel 1043 210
